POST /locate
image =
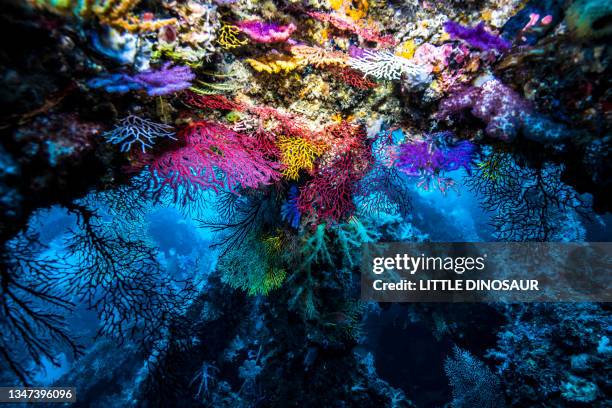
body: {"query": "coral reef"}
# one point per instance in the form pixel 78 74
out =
pixel 187 189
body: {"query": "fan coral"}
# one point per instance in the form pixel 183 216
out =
pixel 210 102
pixel 477 37
pixel 386 65
pixel 228 37
pixel 252 268
pixel 318 57
pixel 133 129
pixel 214 157
pixel 329 195
pixel 429 160
pixel 297 154
pixel 261 32
pixel 473 383
pixel 353 78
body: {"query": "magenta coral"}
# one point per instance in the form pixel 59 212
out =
pixel 213 157
pixel 262 32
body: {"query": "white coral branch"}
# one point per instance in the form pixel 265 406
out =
pixel 133 129
pixel 386 65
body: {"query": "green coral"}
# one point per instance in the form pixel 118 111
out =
pixel 253 267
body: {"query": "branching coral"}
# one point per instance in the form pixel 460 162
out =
pixel 228 37
pixel 318 57
pixel 214 157
pixel 473 383
pixel 350 236
pixel 315 248
pixel 32 312
pixel 133 129
pixel 297 154
pixel 386 65
pixel 430 160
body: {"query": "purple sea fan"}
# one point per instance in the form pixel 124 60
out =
pixel 430 159
pixel 477 37
pixel 166 80
pixel 261 32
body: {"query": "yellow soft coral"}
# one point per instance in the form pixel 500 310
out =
pixel 354 9
pixel 298 154
pixel 407 49
pixel 227 37
pixel 273 66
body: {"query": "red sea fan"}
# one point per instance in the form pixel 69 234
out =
pixel 329 195
pixel 353 78
pixel 214 157
pixel 346 137
pixel 219 102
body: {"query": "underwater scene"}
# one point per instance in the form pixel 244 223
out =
pixel 187 188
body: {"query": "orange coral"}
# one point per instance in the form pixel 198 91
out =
pixel 318 57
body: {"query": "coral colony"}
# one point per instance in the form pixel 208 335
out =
pixel 187 188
